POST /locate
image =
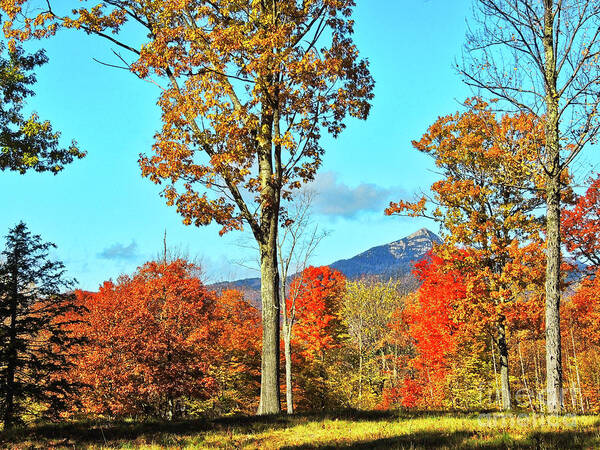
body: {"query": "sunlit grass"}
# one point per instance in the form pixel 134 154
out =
pixel 346 429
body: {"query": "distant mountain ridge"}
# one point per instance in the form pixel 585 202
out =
pixel 393 260
pixel 389 260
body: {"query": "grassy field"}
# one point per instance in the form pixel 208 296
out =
pixel 345 429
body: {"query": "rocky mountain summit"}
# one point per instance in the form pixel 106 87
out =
pixel 395 259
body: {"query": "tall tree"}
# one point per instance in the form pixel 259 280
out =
pixel 540 56
pixel 250 86
pixel 35 317
pixel 27 143
pixel 486 201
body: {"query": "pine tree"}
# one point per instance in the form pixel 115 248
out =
pixel 35 316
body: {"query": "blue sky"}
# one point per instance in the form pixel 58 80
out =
pixel 107 220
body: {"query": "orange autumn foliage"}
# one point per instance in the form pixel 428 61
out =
pixel 236 366
pixel 241 82
pixel 581 336
pixel 152 341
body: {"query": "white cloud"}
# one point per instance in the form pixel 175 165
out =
pixel 335 198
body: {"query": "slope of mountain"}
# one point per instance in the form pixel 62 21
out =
pixel 395 259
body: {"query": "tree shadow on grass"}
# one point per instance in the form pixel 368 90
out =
pixel 115 432
pixel 414 440
pixel 109 433
pixel 571 439
pixel 174 434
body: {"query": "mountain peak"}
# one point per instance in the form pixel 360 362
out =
pixel 393 259
pixel 424 232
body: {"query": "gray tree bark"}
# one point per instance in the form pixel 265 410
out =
pixel 504 373
pixel 270 394
pixel 554 399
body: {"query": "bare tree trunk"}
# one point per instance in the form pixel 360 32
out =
pixel 498 398
pixel 269 386
pixel 504 374
pixel 554 399
pixel 525 379
pixel 289 394
pixel 540 397
pixel 287 346
pixel 360 366
pixel 577 372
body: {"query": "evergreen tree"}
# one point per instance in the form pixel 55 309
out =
pixel 27 142
pixel 35 316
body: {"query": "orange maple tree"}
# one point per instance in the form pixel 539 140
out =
pixel 317 305
pixel 150 342
pixel 486 201
pixel 580 317
pixel 433 326
pixel 249 88
pixel 315 296
pixel 236 350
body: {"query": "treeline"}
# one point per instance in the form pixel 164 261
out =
pixel 159 344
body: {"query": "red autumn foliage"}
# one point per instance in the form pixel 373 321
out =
pixel 318 292
pixel 581 225
pixel 581 342
pixel 433 327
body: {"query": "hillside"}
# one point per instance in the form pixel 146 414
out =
pixel 395 259
pixel 392 260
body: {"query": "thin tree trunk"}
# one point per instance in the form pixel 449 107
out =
pixel 525 379
pixel 554 399
pixel 568 380
pixel 360 365
pixel 498 398
pixel 577 372
pixel 573 395
pixel 289 394
pixel 540 399
pixel 504 374
pixel 287 346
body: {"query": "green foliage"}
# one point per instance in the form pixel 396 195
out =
pixel 27 142
pixel 367 311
